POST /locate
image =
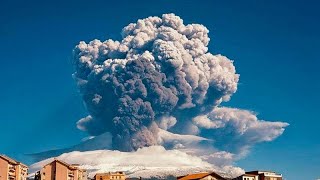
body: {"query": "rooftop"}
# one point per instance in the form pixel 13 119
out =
pixel 12 161
pixel 73 167
pixel 263 172
pixel 199 176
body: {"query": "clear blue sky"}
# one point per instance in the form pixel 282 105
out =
pixel 274 44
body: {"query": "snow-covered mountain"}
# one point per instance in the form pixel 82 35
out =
pixel 148 162
pixel 95 155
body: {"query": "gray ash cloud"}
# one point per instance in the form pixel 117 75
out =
pixel 161 68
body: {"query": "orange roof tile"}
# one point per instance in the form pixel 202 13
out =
pixel 199 176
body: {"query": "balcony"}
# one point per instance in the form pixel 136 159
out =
pixel 11 173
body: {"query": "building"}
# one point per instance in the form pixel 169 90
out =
pixel 247 177
pixel 110 175
pixel 11 169
pixel 266 175
pixel 202 176
pixel 59 170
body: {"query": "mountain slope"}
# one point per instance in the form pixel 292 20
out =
pixel 147 162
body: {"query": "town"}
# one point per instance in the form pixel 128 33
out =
pixel 11 169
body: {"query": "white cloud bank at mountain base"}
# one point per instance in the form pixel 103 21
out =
pixel 159 88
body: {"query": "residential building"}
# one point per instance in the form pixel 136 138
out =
pixel 11 169
pixel 266 175
pixel 202 176
pixel 247 177
pixel 59 170
pixel 110 175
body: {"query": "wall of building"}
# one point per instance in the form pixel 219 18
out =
pixel 82 175
pixel 248 178
pixel 21 172
pixel 48 172
pixel 61 171
pixel 272 178
pixel 3 169
pixel 18 172
pixel 76 174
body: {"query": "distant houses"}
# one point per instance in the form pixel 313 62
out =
pixel 110 176
pixel 252 175
pixel 11 169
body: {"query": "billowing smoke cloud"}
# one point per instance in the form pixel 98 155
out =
pixel 237 130
pixel 159 75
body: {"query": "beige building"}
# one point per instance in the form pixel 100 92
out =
pixel 247 177
pixel 265 175
pixel 110 175
pixel 260 175
pixel 201 176
pixel 59 170
pixel 11 169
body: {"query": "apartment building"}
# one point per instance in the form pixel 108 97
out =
pixel 59 170
pixel 110 176
pixel 11 169
pixel 266 175
pixel 247 177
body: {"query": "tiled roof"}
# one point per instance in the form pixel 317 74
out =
pixel 199 176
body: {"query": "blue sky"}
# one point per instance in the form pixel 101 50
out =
pixel 274 46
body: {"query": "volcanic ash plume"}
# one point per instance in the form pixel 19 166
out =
pixel 160 70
